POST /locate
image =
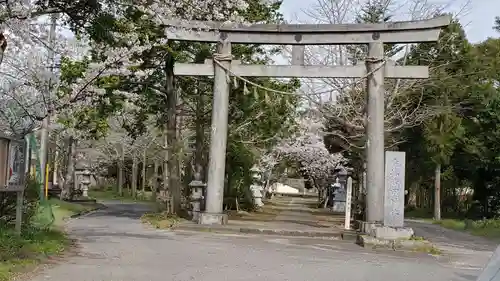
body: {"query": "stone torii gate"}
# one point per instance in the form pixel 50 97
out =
pixel 375 70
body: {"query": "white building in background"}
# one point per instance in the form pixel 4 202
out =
pixel 281 188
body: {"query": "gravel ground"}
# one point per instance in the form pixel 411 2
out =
pixel 115 246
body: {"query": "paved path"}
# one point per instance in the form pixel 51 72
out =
pixel 297 213
pixel 463 248
pixel 115 246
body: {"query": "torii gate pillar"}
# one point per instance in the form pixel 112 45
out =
pixel 218 141
pixel 375 155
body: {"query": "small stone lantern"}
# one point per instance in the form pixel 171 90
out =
pixel 342 175
pixel 256 187
pixel 339 192
pixel 197 188
pixel 85 182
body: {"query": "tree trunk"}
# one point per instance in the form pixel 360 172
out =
pixel 67 186
pixel 154 188
pixel 166 193
pixel 173 163
pixel 360 190
pixel 144 167
pixel 437 192
pixel 412 195
pixel 133 185
pixel 120 173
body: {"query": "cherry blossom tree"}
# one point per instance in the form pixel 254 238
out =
pixel 307 149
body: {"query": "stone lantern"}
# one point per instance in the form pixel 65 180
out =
pixel 256 187
pixel 197 198
pixel 85 182
pixel 82 179
pixel 339 192
pixel 343 174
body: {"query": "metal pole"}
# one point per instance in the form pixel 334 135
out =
pixel 44 132
pixel 218 140
pixel 375 190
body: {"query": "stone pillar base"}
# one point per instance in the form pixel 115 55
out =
pixel 367 227
pixel 212 218
pixel 380 231
pixel 391 233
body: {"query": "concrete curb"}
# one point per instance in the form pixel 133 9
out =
pixel 228 229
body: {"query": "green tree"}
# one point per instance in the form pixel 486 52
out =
pixel 477 160
pixel 449 58
pixel 257 117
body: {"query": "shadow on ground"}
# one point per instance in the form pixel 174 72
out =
pixel 88 236
pixel 133 210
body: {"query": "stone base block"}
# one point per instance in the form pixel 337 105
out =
pixel 414 245
pixel 367 227
pixel 391 233
pixel 195 216
pixel 212 218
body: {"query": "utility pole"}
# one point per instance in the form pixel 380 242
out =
pixel 44 132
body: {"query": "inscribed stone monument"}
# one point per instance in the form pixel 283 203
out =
pixel 339 199
pixel 394 188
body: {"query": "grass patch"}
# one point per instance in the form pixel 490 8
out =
pixel 161 220
pixel 417 238
pixel 126 197
pixel 451 224
pixel 19 254
pixel 427 249
pixel 489 228
pixel 63 210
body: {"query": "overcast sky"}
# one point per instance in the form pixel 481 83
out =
pixel 478 20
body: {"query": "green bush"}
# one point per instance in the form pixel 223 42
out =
pixel 487 227
pixel 487 223
pixel 8 202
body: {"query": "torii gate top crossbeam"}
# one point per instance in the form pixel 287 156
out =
pixel 308 34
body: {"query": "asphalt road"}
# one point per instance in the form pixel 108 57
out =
pixel 115 246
